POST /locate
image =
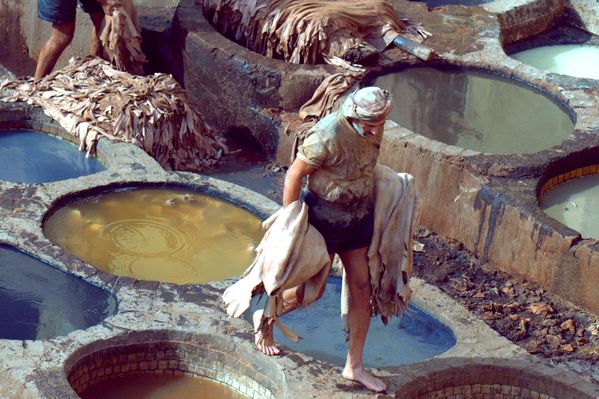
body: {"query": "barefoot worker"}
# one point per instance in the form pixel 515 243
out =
pixel 361 212
pixel 62 16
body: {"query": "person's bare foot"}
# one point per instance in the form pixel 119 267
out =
pixel 264 342
pixel 363 377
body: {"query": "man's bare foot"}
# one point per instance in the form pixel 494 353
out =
pixel 264 342
pixel 363 377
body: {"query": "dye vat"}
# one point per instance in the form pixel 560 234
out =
pixel 493 378
pixel 575 204
pixel 158 234
pixel 415 337
pixel 158 386
pixel 476 111
pixel 39 301
pixel 566 59
pixel 33 157
pixel 172 364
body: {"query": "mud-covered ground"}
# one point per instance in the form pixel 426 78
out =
pixel 525 313
pixel 520 310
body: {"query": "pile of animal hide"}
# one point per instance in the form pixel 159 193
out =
pixel 90 99
pixel 304 31
pixel 120 37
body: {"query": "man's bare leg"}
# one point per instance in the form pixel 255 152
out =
pixel 355 263
pixel 95 46
pixel 61 36
pixel 291 300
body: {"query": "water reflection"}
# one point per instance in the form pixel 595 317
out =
pixel 32 157
pixel 475 111
pixel 38 301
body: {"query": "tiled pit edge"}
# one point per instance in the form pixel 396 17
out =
pixel 207 356
pixel 493 378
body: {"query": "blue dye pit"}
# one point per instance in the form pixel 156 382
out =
pixel 32 157
pixel 414 338
pixel 38 301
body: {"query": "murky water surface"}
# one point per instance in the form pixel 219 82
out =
pixel 38 301
pixel 156 386
pixel 567 59
pixel 475 111
pixel 169 235
pixel 416 337
pixel 575 203
pixel 33 157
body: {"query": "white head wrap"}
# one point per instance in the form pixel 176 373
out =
pixel 367 104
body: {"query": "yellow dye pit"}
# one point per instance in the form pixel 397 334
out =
pixel 157 386
pixel 168 235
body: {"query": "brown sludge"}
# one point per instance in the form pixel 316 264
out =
pixel 91 99
pixel 157 386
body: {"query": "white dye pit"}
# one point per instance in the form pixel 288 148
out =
pixel 567 59
pixel 575 203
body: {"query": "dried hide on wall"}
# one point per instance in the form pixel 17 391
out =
pixel 91 99
pixel 303 31
pixel 120 37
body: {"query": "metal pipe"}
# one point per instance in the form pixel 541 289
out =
pixel 419 50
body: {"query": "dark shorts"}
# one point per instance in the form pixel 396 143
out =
pixel 64 11
pixel 340 235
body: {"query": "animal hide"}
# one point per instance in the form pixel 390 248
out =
pixel 90 99
pixel 304 31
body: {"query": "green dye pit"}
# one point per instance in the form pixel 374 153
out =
pixel 476 111
pixel 168 235
pixel 157 386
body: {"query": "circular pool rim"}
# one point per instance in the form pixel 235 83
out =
pixel 437 379
pixel 246 199
pixel 211 356
pixel 492 73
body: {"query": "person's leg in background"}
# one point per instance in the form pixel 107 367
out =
pixel 96 14
pixel 61 14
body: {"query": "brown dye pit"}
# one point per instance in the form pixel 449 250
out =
pixel 158 386
pixel 169 235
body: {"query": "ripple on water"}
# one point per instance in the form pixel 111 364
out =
pixel 158 234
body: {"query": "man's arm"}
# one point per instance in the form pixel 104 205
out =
pixel 293 180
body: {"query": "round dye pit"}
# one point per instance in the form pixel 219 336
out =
pixel 33 157
pixel 416 337
pixel 575 203
pixel 165 364
pixel 490 378
pixel 474 110
pixel 568 59
pixel 38 301
pixel 159 234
